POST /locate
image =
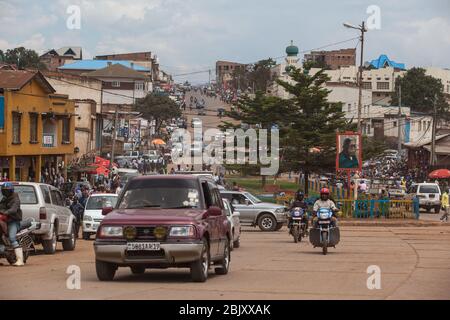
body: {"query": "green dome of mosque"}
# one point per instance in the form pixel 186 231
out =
pixel 292 50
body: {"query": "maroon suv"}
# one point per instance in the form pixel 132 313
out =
pixel 163 222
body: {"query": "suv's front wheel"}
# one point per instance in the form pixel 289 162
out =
pixel 200 268
pixel 105 270
pixel 267 222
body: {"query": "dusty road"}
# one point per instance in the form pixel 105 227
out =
pixel 414 262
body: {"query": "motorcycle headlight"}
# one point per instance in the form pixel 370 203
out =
pixel 324 215
pixel 110 231
pixel 87 218
pixel 184 231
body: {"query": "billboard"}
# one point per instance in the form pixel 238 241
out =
pixel 349 151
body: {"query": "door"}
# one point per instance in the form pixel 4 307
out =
pixel 211 221
pixel 221 221
pixel 60 211
pixel 248 214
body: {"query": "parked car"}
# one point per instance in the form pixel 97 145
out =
pixel 254 212
pixel 45 204
pixel 235 224
pixel 429 195
pixel 201 112
pixel 165 221
pixel 93 212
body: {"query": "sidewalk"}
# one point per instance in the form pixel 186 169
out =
pixel 391 223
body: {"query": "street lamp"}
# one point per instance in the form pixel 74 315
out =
pixel 362 28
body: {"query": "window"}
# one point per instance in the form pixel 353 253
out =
pixel 395 123
pixel 56 198
pixel 238 199
pixel 16 127
pixel 383 85
pixel 367 85
pixel 139 86
pixel 27 194
pixel 33 127
pixel 116 84
pixel 420 125
pixel 46 194
pixel 66 130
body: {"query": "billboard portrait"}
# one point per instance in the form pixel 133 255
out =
pixel 349 152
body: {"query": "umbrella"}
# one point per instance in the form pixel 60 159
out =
pixel 440 174
pixel 158 142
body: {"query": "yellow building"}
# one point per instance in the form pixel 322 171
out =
pixel 36 127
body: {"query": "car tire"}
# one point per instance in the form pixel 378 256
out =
pixel 70 244
pixel 51 244
pixel 86 236
pixel 105 270
pixel 267 222
pixel 200 268
pixel 137 269
pixel 237 243
pixel 224 265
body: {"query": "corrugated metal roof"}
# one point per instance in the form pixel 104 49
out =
pixel 100 64
pixel 16 79
pixel 423 142
pixel 384 61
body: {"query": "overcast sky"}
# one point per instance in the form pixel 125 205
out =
pixel 190 35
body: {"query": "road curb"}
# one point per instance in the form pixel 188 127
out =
pixel 390 223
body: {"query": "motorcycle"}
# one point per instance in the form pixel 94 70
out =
pixel 298 226
pixel 25 240
pixel 324 234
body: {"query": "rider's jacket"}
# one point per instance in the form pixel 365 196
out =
pixel 329 204
pixel 10 206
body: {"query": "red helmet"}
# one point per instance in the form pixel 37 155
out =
pixel 324 191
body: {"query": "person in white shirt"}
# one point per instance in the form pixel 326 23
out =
pixel 324 202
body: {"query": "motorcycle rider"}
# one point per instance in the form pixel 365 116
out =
pixel 299 202
pixel 324 202
pixel 10 206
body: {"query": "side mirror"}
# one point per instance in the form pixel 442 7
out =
pixel 107 210
pixel 247 202
pixel 214 212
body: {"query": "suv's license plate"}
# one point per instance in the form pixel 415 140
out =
pixel 143 246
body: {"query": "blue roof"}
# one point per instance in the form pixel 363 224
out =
pixel 100 64
pixel 384 61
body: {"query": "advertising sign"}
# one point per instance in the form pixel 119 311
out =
pixel 349 151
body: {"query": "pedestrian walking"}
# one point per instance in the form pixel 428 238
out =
pixel 445 206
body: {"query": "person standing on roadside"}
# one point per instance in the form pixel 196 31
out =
pixel 445 205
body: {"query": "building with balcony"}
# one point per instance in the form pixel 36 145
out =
pixel 36 127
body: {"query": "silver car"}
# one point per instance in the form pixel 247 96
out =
pixel 254 212
pixel 235 224
pixel 45 204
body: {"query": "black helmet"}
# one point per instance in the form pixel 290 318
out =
pixel 300 194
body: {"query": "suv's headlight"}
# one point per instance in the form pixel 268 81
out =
pixel 184 231
pixel 87 218
pixel 109 231
pixel 279 210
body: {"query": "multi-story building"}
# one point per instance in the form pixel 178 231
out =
pixel 333 59
pixel 53 59
pixel 224 72
pixel 87 95
pixel 36 127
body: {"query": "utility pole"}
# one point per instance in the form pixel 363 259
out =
pixel 360 77
pixel 399 118
pixel 362 29
pixel 114 137
pixel 209 72
pixel 433 134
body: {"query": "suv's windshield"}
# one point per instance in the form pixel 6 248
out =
pixel 100 202
pixel 161 193
pixel 429 189
pixel 252 197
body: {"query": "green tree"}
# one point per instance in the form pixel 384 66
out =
pixel 158 108
pixel 24 58
pixel 419 91
pixel 315 64
pixel 2 56
pixel 313 123
pixel 373 147
pixel 254 77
